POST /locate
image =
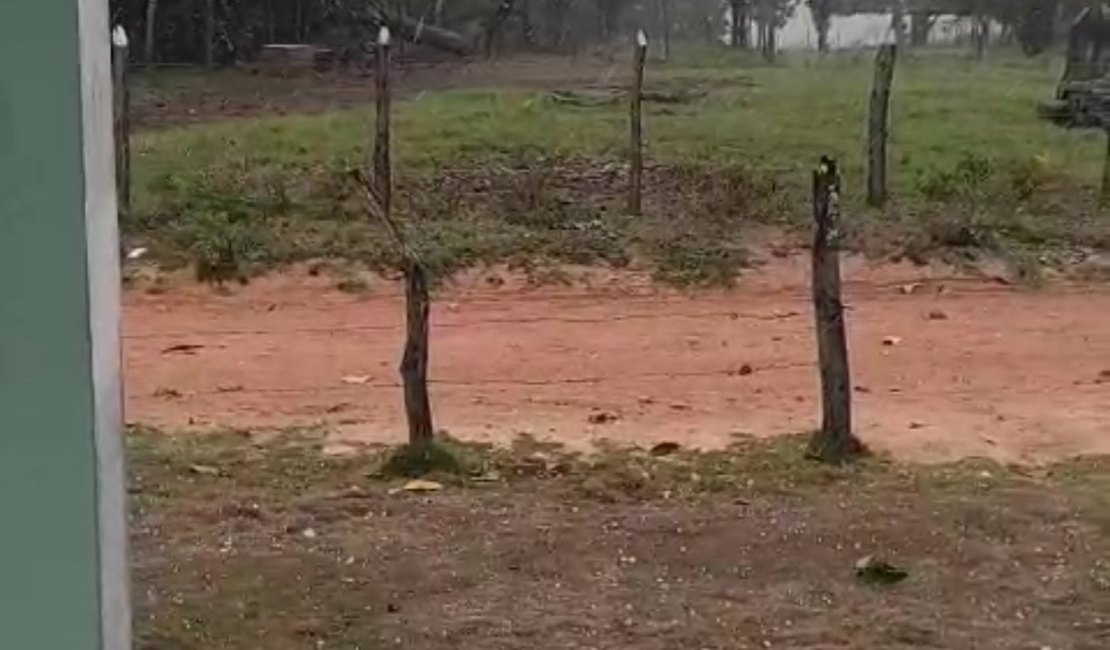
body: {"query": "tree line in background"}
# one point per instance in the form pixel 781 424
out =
pixel 226 31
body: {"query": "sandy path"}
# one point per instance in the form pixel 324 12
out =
pixel 1011 374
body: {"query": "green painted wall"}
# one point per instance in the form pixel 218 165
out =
pixel 49 593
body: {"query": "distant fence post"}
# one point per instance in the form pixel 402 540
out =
pixel 878 125
pixel 636 155
pixel 379 190
pixel 121 103
pixel 834 442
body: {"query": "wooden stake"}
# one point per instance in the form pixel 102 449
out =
pixel 636 155
pixel 379 190
pixel 121 101
pixel 878 122
pixel 834 442
pixel 381 163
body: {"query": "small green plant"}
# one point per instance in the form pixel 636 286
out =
pixel 1030 176
pixel 967 179
pixel 223 248
pixel 699 259
pixel 438 457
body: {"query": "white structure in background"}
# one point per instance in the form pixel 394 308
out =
pixel 865 30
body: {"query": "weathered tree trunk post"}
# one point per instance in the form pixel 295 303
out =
pixel 210 33
pixel 121 103
pixel 665 18
pixel 834 442
pixel 414 363
pixel 380 163
pixel 878 122
pixel 151 32
pixel 1104 193
pixel 636 153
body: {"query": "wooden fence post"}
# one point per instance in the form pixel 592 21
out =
pixel 379 190
pixel 381 164
pixel 636 155
pixel 834 442
pixel 878 125
pixel 121 104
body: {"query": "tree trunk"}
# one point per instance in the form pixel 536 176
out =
pixel 834 442
pixel 665 19
pixel 437 13
pixel 767 30
pixel 210 33
pixel 414 363
pixel 298 20
pixel 407 28
pixel 920 26
pixel 151 32
pixel 878 125
pixel 821 21
pixel 982 35
pixel 898 23
pixel 734 16
pixel 494 24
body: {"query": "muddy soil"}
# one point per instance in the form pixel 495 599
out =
pixel 944 366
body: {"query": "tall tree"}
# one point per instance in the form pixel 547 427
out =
pixel 739 22
pixel 821 11
pixel 210 33
pixel 151 31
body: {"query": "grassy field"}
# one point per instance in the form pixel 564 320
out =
pixel 515 175
pixel 244 542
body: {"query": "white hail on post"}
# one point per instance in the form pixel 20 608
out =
pixel 383 35
pixel 119 36
pixel 641 38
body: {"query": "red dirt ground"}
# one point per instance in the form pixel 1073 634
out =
pixel 1014 374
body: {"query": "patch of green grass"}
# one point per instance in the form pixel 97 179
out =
pixel 437 458
pixel 972 169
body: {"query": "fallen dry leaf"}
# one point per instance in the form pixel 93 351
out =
pixel 420 485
